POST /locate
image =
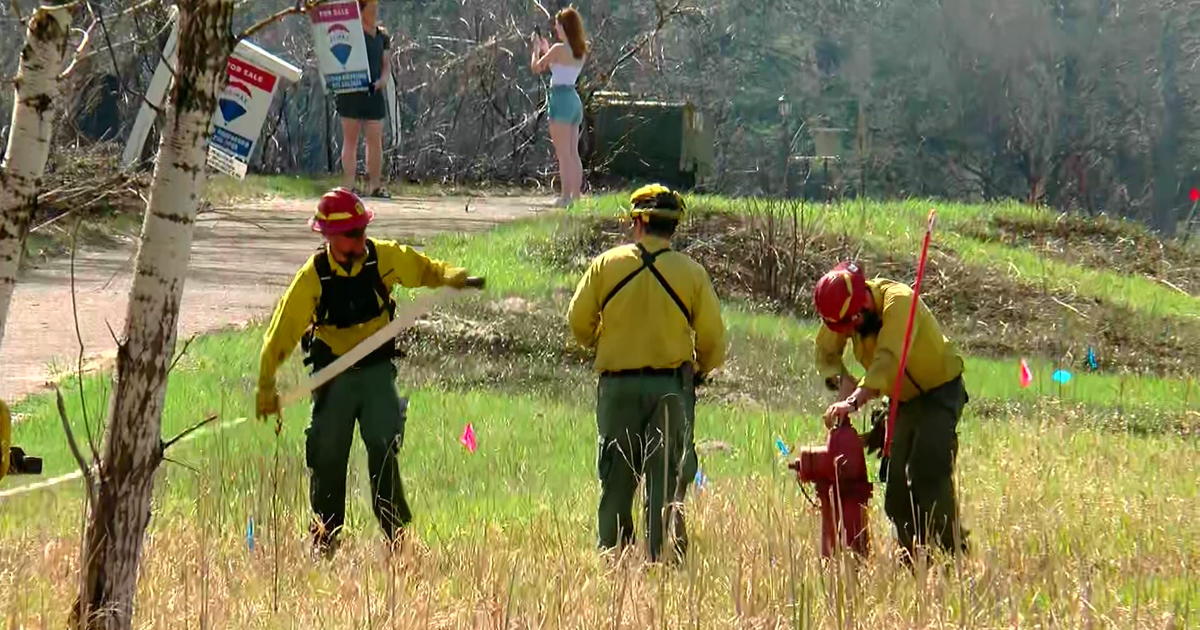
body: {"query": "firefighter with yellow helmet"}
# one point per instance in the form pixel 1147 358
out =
pixel 653 319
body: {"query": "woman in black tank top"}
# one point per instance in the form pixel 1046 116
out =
pixel 362 113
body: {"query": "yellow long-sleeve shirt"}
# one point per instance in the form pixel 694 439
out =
pixel 932 359
pixel 398 265
pixel 642 327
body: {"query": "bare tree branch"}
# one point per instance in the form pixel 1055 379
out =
pixel 301 6
pixel 171 442
pixel 182 352
pixel 84 468
pixel 84 42
pixel 129 42
pixel 87 425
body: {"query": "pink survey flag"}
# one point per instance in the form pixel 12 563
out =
pixel 1026 374
pixel 468 437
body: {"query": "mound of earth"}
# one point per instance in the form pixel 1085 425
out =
pixel 986 311
pixel 1098 242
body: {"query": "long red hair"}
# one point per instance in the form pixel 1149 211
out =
pixel 572 24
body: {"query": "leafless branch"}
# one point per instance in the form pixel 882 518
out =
pixel 108 43
pixel 112 333
pixel 145 4
pixel 301 6
pixel 182 352
pixel 665 15
pixel 228 215
pixel 171 442
pixel 84 56
pixel 79 338
pixel 84 41
pixel 179 463
pixel 84 468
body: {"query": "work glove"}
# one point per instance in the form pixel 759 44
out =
pixel 267 404
pixel 459 279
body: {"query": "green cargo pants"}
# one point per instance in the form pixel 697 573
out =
pixel 920 498
pixel 645 433
pixel 365 394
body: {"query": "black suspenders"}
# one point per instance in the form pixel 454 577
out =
pixel 648 263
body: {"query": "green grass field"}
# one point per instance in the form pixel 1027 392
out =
pixel 1080 499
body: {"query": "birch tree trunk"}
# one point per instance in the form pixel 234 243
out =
pixel 36 93
pixel 133 444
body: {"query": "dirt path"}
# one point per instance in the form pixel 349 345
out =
pixel 240 264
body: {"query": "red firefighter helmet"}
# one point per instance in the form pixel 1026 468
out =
pixel 840 295
pixel 340 210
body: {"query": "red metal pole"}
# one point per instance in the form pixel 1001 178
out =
pixel 894 403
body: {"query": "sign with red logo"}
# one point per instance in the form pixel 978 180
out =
pixel 341 46
pixel 242 106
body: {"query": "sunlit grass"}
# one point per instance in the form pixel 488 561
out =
pixel 1075 522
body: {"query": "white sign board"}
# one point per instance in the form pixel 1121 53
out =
pixel 341 46
pixel 254 75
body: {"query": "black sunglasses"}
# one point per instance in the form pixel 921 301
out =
pixel 356 233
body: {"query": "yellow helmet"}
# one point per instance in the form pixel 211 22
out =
pixel 656 200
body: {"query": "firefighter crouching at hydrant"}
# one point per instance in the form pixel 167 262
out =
pixel 654 320
pixel 340 297
pixel 872 314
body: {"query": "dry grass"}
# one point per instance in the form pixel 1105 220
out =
pixel 1060 542
pixel 1099 242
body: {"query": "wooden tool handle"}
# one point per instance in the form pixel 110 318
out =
pixel 405 317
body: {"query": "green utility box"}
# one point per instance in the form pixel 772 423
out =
pixel 648 140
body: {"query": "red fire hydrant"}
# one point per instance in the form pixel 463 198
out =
pixel 839 470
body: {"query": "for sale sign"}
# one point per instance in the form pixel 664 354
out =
pixel 341 46
pixel 242 107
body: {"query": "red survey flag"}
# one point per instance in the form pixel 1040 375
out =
pixel 1194 195
pixel 1026 374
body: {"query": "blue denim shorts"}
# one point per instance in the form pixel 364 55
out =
pixel 565 105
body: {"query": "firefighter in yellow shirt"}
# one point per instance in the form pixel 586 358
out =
pixel 872 316
pixel 340 297
pixel 654 321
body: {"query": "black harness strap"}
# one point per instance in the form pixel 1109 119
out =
pixel 370 269
pixel 920 390
pixel 648 263
pixel 338 308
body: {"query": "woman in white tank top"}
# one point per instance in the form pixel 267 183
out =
pixel 564 60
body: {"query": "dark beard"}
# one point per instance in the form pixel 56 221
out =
pixel 350 259
pixel 871 324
